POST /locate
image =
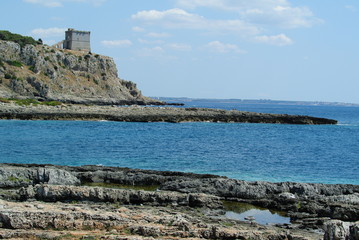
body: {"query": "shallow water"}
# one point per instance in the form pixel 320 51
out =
pixel 245 211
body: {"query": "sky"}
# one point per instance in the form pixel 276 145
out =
pixel 304 50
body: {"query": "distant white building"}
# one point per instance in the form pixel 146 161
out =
pixel 77 40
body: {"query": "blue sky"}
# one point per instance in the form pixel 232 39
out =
pixel 247 49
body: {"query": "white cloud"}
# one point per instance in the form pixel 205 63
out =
pixel 180 46
pixel 49 42
pixel 181 19
pixel 151 52
pixel 116 43
pixel 351 8
pixel 174 14
pixel 144 41
pixel 219 47
pixel 277 40
pixel 60 3
pixel 48 32
pixel 158 35
pixel 218 4
pixel 278 13
pixel 138 29
pixel 46 3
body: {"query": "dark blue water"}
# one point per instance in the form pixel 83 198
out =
pixel 270 152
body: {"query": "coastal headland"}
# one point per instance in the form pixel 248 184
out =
pixel 86 86
pixel 98 202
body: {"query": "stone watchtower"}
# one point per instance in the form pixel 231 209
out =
pixel 77 40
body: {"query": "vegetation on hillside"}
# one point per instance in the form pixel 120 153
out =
pixel 22 40
pixel 29 101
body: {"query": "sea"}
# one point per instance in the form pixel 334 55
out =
pixel 246 151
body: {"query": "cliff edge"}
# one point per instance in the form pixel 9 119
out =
pixel 46 73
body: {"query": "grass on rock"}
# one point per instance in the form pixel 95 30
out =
pixel 29 101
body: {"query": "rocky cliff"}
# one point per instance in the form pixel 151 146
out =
pixel 47 73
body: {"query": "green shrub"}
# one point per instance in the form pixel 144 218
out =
pixel 16 179
pixel 47 58
pixel 1 63
pixel 15 63
pixel 21 40
pixel 8 76
pixel 30 101
pixel 32 68
pixel 26 102
pixel 4 100
pixel 51 103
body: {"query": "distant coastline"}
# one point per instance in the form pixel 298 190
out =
pixel 253 101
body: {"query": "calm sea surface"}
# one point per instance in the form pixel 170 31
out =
pixel 270 152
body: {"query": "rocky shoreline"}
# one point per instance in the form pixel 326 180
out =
pixel 135 113
pixel 69 202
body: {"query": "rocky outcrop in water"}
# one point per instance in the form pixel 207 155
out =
pixel 148 114
pixel 47 73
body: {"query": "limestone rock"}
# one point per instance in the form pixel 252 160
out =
pixel 339 230
pixel 69 76
pixel 52 193
pixel 11 177
pixel 320 200
pixel 41 220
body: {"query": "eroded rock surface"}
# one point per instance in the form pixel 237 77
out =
pixel 52 193
pixel 37 220
pixel 338 201
pixel 339 230
pixel 12 176
pixel 190 201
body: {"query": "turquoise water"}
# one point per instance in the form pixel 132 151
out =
pixel 270 152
